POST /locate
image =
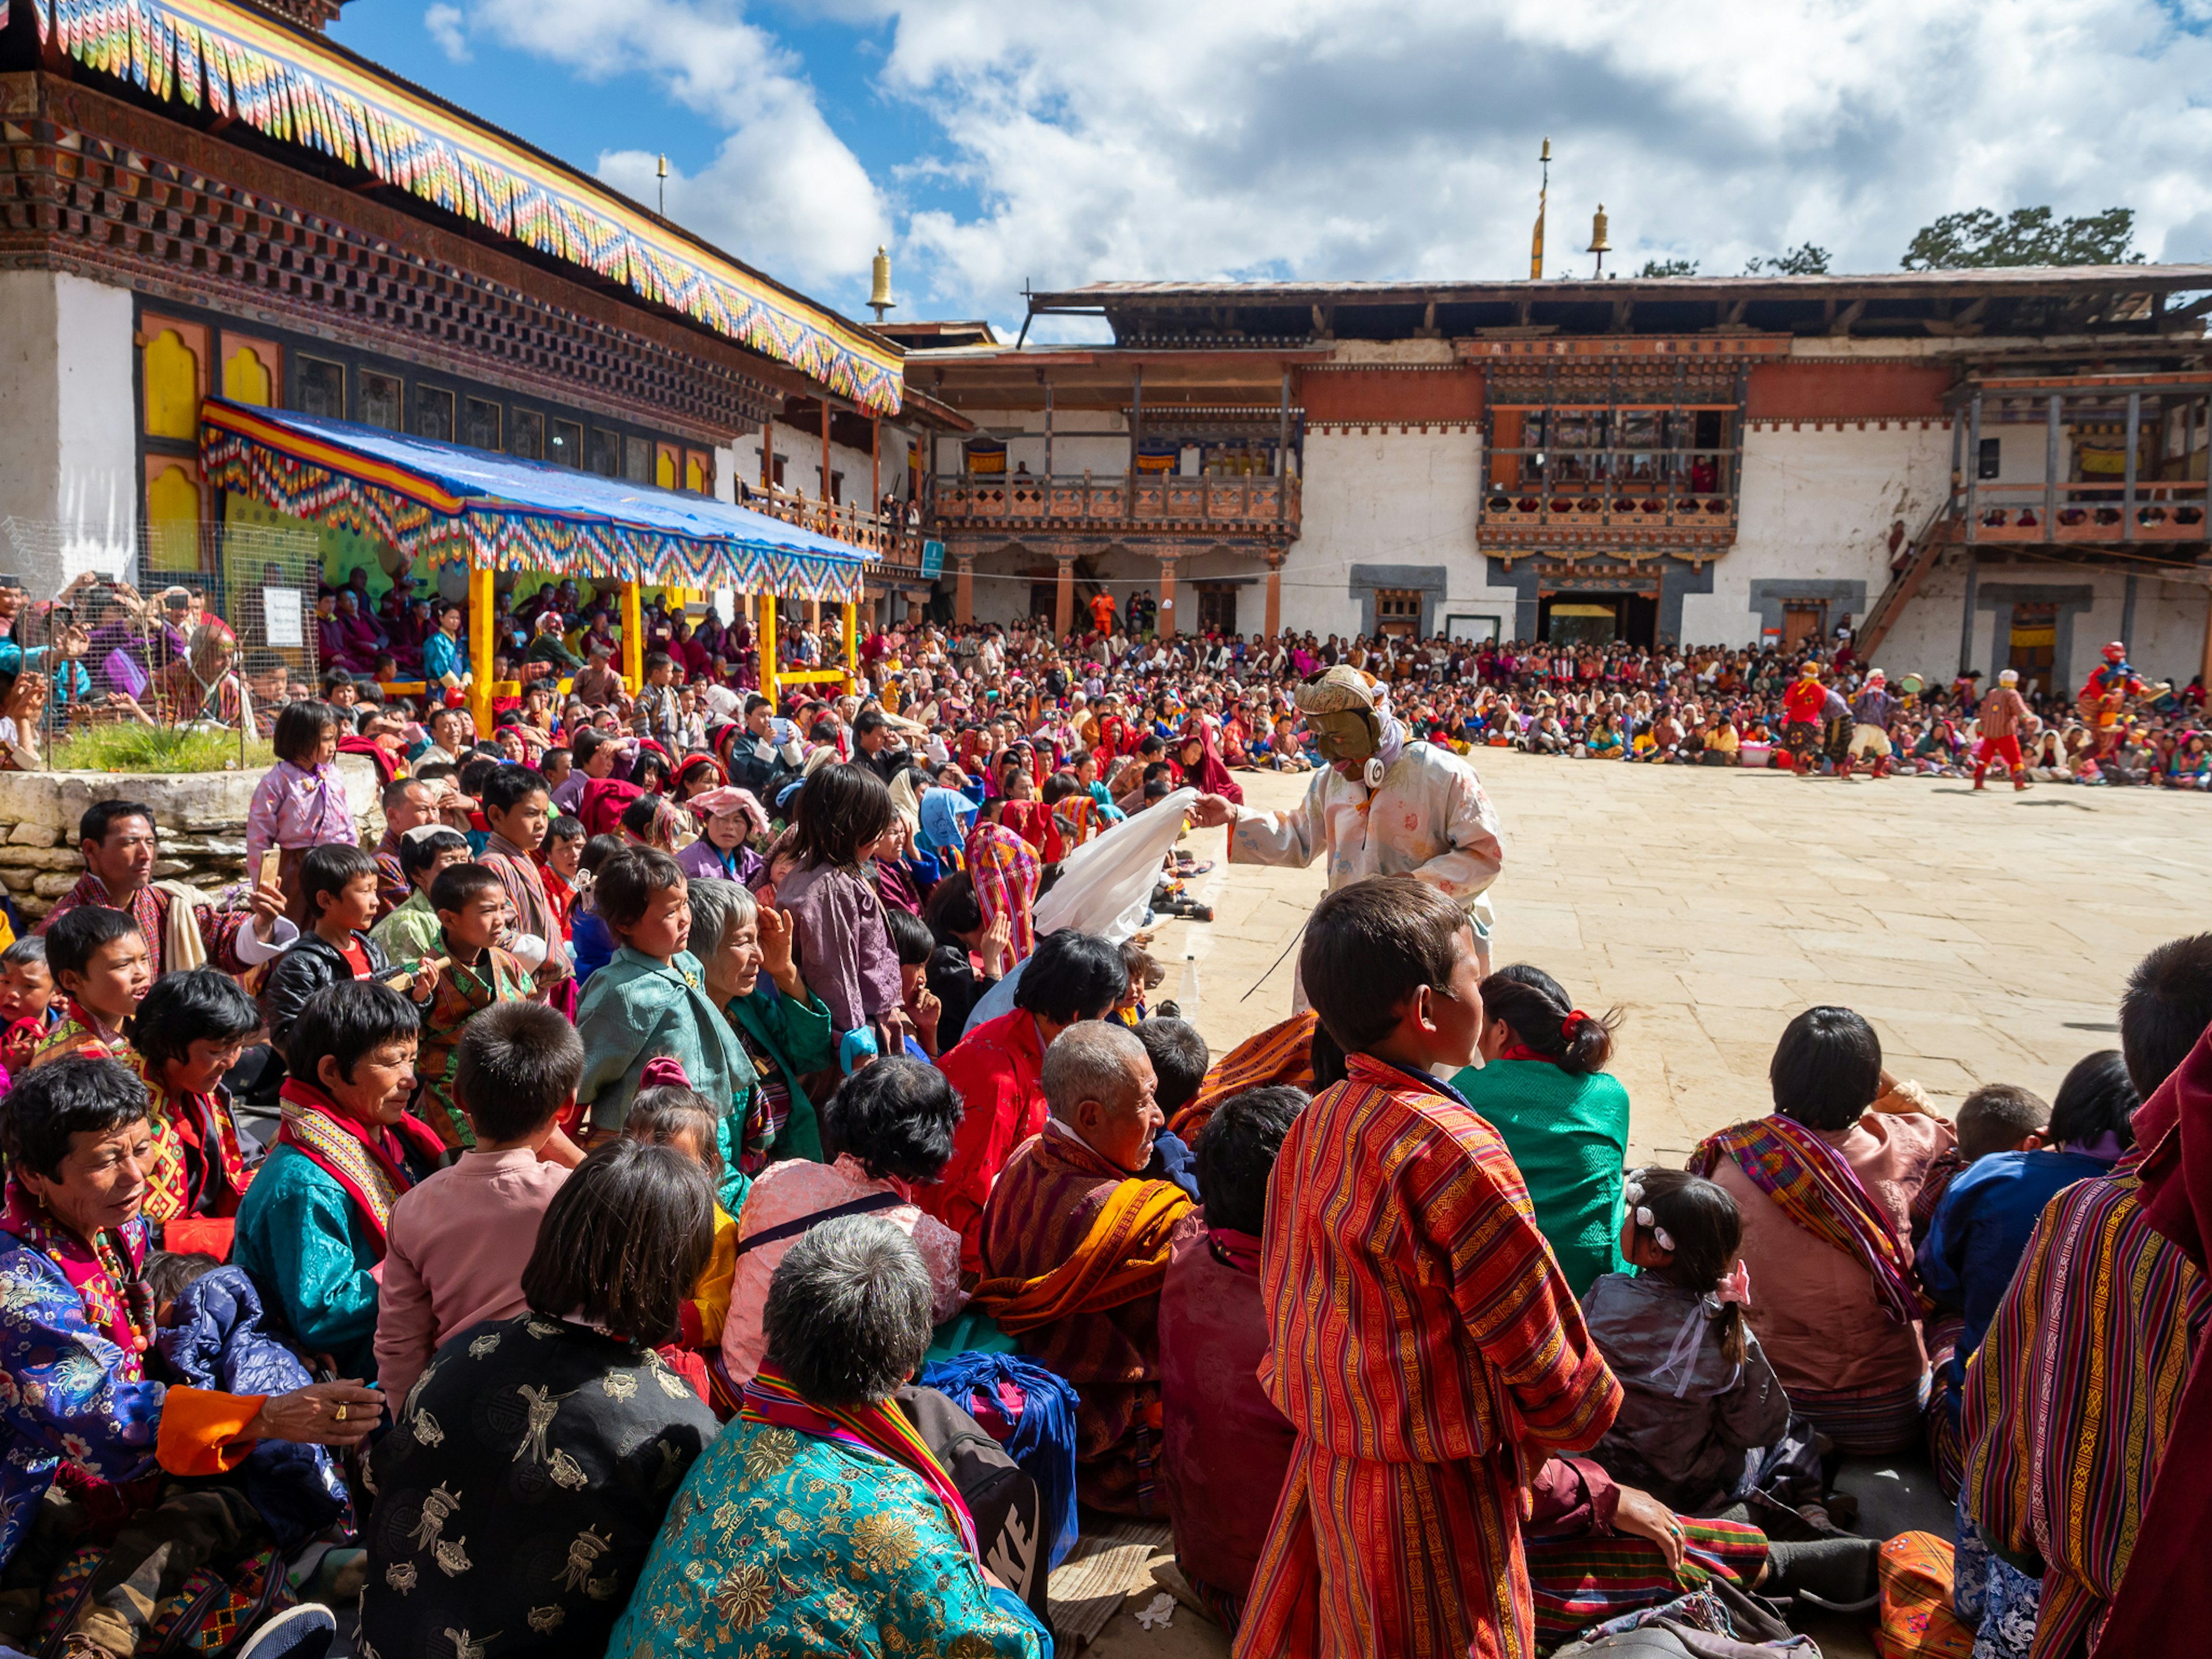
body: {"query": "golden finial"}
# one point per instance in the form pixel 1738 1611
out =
pixel 879 295
pixel 1598 246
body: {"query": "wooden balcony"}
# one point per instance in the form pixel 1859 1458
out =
pixel 1682 519
pixel 885 536
pixel 2095 514
pixel 1259 507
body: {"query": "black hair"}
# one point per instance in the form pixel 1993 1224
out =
pixel 328 869
pixel 953 907
pixel 1327 1057
pixel 1237 1153
pixel 842 809
pixel 657 1116
pixel 2164 1009
pixel 656 659
pixel 476 773
pixel 1370 947
pixel 395 792
pixel 347 1021
pixel 869 720
pixel 1997 1117
pixel 649 761
pixel 910 936
pixel 623 1241
pixel 1179 1061
pixel 642 814
pixel 1826 1070
pixel 457 883
pixel 756 701
pixel 102 815
pixel 435 772
pixel 418 853
pixel 1538 1008
pixel 31 947
pixel 587 744
pixel 622 889
pixel 83 933
pixel 565 754
pixel 79 1094
pixel 167 1274
pixel 597 850
pixel 510 786
pixel 518 1064
pixel 1059 787
pixel 896 1117
pixel 299 727
pixel 1705 1230
pixel 197 1005
pixel 1072 977
pixel 2097 1097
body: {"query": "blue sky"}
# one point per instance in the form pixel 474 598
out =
pixel 1087 140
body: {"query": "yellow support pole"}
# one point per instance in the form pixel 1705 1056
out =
pixel 851 645
pixel 480 647
pixel 767 679
pixel 633 639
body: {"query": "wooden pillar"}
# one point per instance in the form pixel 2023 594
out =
pixel 1136 436
pixel 481 600
pixel 768 456
pixel 1966 624
pixel 1973 475
pixel 766 642
pixel 851 645
pixel 963 592
pixel 1048 433
pixel 875 467
pixel 1282 478
pixel 825 451
pixel 633 639
pixel 814 616
pixel 1274 594
pixel 1063 597
pixel 2128 610
pixel 2204 665
pixel 2135 442
pixel 1167 624
pixel 2051 472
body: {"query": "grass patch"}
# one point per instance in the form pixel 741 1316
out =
pixel 135 747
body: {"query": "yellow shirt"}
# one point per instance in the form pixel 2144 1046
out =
pixel 710 1298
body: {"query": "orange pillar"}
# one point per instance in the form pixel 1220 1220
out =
pixel 964 593
pixel 1274 594
pixel 1063 597
pixel 1167 623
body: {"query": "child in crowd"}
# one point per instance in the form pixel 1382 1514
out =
pixel 669 1112
pixel 1145 976
pixel 914 943
pixel 651 1000
pixel 410 931
pixel 590 939
pixel 1397 1228
pixel 517 808
pixel 300 802
pixel 456 1245
pixel 844 814
pixel 1698 1391
pixel 189 1029
pixel 27 1009
pixel 103 969
pixel 1998 1117
pixel 339 881
pixel 560 863
pixel 1179 1059
pixel 473 911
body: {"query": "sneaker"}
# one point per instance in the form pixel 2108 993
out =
pixel 302 1632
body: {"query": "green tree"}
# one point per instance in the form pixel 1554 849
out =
pixel 1668 268
pixel 2026 236
pixel 1810 260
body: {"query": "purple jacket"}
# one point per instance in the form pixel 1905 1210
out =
pixel 703 858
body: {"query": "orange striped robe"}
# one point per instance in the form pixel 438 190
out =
pixel 1282 1053
pixel 1425 1348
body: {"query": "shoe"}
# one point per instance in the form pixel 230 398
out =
pixel 1978 784
pixel 302 1632
pixel 2018 787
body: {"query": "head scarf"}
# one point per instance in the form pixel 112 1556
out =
pixel 713 803
pixel 945 816
pixel 1209 775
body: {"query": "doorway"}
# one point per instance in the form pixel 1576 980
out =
pixel 1804 624
pixel 2034 644
pixel 1397 612
pixel 1217 609
pixel 1575 620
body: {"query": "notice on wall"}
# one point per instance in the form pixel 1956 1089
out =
pixel 282 618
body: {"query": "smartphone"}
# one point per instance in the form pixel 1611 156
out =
pixel 269 860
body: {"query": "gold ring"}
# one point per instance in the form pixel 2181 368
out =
pixel 339 1415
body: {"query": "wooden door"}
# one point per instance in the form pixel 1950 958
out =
pixel 1803 622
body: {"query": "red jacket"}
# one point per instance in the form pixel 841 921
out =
pixel 998 1070
pixel 1804 701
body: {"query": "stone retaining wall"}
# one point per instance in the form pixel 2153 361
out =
pixel 200 817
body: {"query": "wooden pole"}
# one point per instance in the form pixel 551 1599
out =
pixel 768 648
pixel 851 645
pixel 1282 478
pixel 1274 594
pixel 633 640
pixel 480 649
pixel 963 592
pixel 1048 435
pixel 876 466
pixel 1063 597
pixel 2135 439
pixel 2051 472
pixel 1167 622
pixel 825 451
pixel 1136 435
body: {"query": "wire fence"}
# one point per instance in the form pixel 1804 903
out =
pixel 207 626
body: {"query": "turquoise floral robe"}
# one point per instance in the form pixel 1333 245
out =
pixel 782 1543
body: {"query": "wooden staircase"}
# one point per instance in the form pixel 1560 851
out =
pixel 1941 531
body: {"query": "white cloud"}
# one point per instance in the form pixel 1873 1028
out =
pixel 446 26
pixel 1091 139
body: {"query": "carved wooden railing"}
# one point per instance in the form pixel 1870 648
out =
pixel 1260 505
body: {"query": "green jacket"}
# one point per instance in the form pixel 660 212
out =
pixel 1568 1134
pixel 798 1039
pixel 312 1257
pixel 411 932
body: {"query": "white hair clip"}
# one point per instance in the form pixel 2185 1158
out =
pixel 1646 1220
pixel 1632 1194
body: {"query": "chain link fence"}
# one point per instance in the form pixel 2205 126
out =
pixel 199 625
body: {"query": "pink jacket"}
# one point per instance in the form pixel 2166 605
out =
pixel 295 807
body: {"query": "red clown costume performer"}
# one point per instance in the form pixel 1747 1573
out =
pixel 2004 715
pixel 1803 705
pixel 2104 697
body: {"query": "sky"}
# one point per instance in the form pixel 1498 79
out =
pixel 1064 142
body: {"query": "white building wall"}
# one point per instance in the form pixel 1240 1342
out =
pixel 67 414
pixel 1393 497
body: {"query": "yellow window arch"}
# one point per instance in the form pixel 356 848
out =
pixel 173 387
pixel 173 520
pixel 247 379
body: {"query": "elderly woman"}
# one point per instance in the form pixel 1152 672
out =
pixel 726 818
pixel 821 1508
pixel 75 1372
pixel 532 1463
pixel 783 1027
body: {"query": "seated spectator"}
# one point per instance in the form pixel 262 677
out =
pixel 149 1465
pixel 457 1244
pixel 998 1066
pixel 103 969
pixel 726 818
pixel 339 884
pixel 410 930
pixel 469 974
pixel 971 954
pixel 783 1027
pixel 312 1228
pixel 1179 1062
pixel 669 1112
pixel 1697 1393
pixel 1543 1087
pixel 533 1463
pixel 1074 1245
pixel 1824 1185
pixel 1998 1117
pixel 188 1030
pixel 821 1507
pixel 893 1122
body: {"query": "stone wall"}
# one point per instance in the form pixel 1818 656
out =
pixel 200 817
